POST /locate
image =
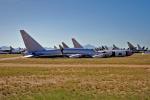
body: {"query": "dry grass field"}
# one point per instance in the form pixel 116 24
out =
pixel 120 78
pixel 9 55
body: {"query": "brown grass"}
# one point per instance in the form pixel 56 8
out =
pixel 75 78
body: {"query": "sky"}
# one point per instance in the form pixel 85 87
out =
pixel 96 22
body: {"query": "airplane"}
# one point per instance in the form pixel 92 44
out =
pixel 10 50
pixel 106 52
pixel 97 54
pixel 16 50
pixel 5 50
pixel 137 49
pixel 34 49
pixel 142 48
pixel 82 53
pixel 117 53
pixel 131 47
pixel 79 52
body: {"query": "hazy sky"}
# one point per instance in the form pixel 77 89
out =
pixel 97 22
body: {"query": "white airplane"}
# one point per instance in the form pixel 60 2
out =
pixel 79 52
pixel 77 45
pixel 34 49
pixel 107 52
pixel 82 53
pixel 117 53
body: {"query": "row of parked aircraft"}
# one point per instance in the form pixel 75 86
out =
pixel 34 49
pixel 134 49
pixel 11 50
pixel 137 49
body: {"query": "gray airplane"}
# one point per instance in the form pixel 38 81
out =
pixel 79 52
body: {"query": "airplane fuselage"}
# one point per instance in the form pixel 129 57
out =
pixel 78 52
pixel 46 53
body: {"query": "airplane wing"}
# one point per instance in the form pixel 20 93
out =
pixel 28 56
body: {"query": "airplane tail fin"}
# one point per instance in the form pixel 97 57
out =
pixel 131 47
pixel 139 47
pixel 60 47
pixel 106 48
pixel 65 45
pixel 115 47
pixel 76 44
pixel 30 43
pixel 55 47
